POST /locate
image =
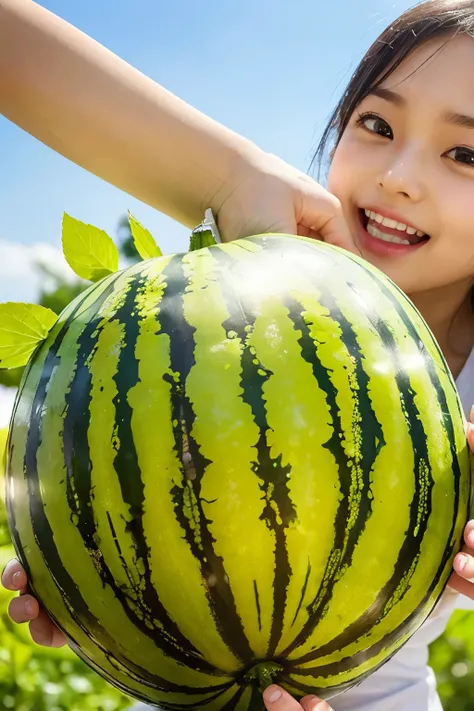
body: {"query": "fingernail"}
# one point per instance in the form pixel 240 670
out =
pixel 462 562
pixel 272 694
pixel 29 608
pixel 470 539
pixel 16 579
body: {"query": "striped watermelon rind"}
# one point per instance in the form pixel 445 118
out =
pixel 206 456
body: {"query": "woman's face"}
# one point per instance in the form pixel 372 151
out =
pixel 404 169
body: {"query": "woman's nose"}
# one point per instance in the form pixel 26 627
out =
pixel 404 177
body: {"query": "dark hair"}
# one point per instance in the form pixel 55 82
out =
pixel 426 21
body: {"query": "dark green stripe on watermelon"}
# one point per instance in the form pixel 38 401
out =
pixel 270 471
pixel 172 322
pixel 166 634
pixel 373 440
pixel 421 501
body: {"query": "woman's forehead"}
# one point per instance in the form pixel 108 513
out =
pixel 445 62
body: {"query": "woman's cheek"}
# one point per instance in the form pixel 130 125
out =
pixel 347 173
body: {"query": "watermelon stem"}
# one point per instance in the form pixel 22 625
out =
pixel 206 234
pixel 264 673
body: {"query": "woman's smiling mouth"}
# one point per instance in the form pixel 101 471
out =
pixel 386 235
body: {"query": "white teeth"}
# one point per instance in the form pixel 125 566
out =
pixel 392 224
pixel 372 230
pixel 389 223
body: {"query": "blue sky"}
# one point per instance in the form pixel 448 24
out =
pixel 269 69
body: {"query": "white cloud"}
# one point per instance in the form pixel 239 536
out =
pixel 7 398
pixel 20 279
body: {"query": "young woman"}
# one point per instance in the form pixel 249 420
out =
pixel 400 192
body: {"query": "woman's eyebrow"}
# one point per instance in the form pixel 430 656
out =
pixel 452 117
pixel 456 119
pixel 388 95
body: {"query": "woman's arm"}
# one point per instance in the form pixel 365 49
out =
pixel 92 107
pixel 86 103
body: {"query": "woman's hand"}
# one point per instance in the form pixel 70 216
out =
pixel 462 580
pixel 25 608
pixel 276 699
pixel 265 194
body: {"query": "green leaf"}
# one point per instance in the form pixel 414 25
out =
pixel 22 328
pixel 90 252
pixel 144 241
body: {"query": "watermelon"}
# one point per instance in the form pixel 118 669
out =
pixel 241 465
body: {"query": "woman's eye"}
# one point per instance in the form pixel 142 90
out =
pixel 375 124
pixel 462 155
